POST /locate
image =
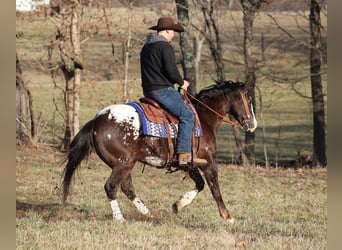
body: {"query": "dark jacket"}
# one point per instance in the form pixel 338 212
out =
pixel 158 64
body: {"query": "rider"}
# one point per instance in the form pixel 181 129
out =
pixel 159 73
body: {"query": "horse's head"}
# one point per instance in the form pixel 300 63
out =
pixel 241 107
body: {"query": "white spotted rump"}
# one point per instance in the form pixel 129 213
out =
pixel 125 114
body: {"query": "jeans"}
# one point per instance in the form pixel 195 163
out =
pixel 172 101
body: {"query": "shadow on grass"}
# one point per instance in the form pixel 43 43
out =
pixel 52 212
pixel 58 212
pixel 44 210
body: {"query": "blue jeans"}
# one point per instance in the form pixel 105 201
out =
pixel 172 101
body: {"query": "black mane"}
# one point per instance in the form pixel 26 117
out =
pixel 218 88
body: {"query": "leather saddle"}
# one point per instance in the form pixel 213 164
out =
pixel 155 113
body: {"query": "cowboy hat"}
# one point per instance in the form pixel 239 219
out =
pixel 166 23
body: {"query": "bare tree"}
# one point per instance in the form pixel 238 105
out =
pixel 24 114
pixel 188 62
pixel 319 145
pixel 68 38
pixel 212 35
pixel 76 24
pixel 249 8
pixel 317 95
pixel 127 49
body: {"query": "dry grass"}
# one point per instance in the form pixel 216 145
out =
pixel 276 209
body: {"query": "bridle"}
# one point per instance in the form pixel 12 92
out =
pixel 245 125
pixel 225 118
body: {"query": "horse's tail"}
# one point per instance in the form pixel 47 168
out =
pixel 81 146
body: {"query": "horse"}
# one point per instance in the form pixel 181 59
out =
pixel 115 135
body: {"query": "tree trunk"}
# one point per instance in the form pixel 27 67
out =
pixel 24 114
pixel 76 45
pixel 185 42
pixel 127 48
pixel 248 19
pixel 69 105
pixel 319 144
pixel 72 66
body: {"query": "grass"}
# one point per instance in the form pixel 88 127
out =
pixel 275 208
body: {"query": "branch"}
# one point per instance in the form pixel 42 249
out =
pixel 286 32
pixel 293 82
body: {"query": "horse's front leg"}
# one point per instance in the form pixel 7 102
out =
pixel 188 197
pixel 211 176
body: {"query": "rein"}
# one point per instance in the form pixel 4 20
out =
pixel 224 118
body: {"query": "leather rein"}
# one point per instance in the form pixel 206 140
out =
pixel 225 118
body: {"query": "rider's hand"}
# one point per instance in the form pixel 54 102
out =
pixel 185 85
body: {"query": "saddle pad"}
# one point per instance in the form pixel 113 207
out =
pixel 158 130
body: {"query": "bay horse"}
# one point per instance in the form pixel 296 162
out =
pixel 115 135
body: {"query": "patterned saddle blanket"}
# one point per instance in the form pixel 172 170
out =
pixel 158 122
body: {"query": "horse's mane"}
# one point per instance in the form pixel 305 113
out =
pixel 220 86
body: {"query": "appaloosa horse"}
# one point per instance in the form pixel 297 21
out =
pixel 115 135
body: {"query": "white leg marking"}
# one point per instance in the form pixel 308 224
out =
pixel 141 206
pixel 117 215
pixel 232 221
pixel 187 198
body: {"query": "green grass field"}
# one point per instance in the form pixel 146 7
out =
pixel 277 208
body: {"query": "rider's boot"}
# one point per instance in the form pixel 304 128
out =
pixel 186 159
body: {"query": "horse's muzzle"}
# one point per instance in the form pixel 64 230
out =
pixel 248 126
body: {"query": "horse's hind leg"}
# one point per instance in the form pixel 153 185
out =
pixel 188 197
pixel 128 189
pixel 118 175
pixel 111 188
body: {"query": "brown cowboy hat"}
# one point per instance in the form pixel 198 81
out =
pixel 166 23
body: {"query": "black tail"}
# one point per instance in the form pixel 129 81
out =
pixel 81 146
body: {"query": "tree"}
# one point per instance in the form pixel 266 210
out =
pixel 24 117
pixel 211 34
pixel 249 9
pixel 68 39
pixel 319 145
pixel 316 52
pixel 188 62
pixel 127 49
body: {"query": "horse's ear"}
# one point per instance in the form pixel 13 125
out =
pixel 223 82
pixel 242 84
